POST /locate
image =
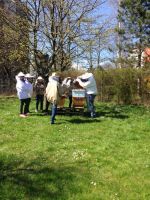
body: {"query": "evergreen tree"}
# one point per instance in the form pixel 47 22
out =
pixel 134 17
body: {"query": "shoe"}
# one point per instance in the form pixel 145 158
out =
pixel 45 113
pixel 22 115
pixel 52 123
pixel 93 115
pixel 36 110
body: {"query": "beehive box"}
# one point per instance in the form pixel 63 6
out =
pixel 78 98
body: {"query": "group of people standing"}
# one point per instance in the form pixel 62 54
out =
pixel 53 92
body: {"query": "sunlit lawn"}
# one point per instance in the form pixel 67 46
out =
pixel 106 158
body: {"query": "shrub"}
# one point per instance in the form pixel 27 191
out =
pixel 122 85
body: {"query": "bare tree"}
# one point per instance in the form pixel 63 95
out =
pixel 55 29
pixel 63 21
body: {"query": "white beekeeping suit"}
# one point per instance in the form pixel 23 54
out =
pixel 22 87
pixel 29 85
pixel 87 81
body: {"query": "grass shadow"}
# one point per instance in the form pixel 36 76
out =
pixel 83 121
pixel 112 115
pixel 40 114
pixel 34 181
pixel 114 111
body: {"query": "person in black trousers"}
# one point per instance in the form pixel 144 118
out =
pixel 39 90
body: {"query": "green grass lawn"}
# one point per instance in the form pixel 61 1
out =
pixel 106 158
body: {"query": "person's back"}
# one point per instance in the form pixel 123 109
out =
pixel 88 82
pixel 53 95
pixel 52 91
pixel 30 88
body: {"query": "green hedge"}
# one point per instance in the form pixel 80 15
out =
pixel 123 85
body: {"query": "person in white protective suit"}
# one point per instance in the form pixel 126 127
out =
pixel 29 82
pixel 87 81
pixel 22 92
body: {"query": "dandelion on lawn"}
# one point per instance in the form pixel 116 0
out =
pixel 93 183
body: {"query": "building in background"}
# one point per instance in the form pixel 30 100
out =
pixel 145 57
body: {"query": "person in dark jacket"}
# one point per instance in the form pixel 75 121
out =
pixel 39 90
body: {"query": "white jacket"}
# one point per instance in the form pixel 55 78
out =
pixel 22 89
pixel 89 85
pixel 30 87
pixel 53 91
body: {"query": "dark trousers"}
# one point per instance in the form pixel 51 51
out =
pixel 70 101
pixel 47 105
pixel 23 106
pixel 28 104
pixel 39 100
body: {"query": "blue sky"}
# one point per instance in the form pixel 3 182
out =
pixel 109 9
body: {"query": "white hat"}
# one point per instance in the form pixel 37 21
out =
pixel 40 78
pixel 55 74
pixel 21 74
pixel 86 75
pixel 29 76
